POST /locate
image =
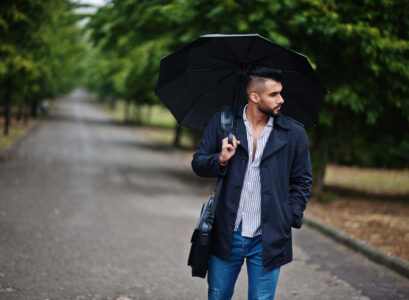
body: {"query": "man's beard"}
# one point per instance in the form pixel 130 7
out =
pixel 269 112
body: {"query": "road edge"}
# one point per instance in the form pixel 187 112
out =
pixel 392 262
pixel 7 152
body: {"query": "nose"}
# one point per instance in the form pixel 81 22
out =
pixel 281 100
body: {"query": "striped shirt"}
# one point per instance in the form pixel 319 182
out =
pixel 249 212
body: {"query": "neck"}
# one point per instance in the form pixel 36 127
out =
pixel 256 117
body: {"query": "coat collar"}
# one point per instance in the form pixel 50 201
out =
pixel 278 137
pixel 280 120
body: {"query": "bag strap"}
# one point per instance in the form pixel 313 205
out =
pixel 228 126
pixel 227 121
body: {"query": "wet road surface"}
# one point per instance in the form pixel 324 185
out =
pixel 89 210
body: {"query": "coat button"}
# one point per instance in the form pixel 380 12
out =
pixel 232 215
pixel 238 187
pixel 244 160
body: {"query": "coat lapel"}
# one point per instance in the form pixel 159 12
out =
pixel 278 137
pixel 241 133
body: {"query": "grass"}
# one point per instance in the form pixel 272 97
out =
pixel 165 136
pixel 381 224
pixel 161 126
pixel 16 131
pixel 371 179
pixel 160 116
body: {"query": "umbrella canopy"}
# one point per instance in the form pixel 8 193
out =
pixel 210 72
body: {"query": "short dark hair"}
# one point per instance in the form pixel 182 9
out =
pixel 262 72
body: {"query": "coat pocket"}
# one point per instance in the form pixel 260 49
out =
pixel 288 213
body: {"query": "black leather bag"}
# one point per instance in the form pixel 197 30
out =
pixel 201 237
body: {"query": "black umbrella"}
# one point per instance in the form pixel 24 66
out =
pixel 210 72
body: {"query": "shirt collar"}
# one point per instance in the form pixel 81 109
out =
pixel 269 122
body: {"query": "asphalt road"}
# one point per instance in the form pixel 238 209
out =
pixel 90 210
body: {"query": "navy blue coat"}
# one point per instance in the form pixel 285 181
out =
pixel 286 180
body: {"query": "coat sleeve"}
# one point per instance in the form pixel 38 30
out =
pixel 300 180
pixel 205 161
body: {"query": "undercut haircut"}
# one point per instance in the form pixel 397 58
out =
pixel 257 75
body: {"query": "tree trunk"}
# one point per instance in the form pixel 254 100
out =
pixel 112 104
pixel 178 133
pixel 25 114
pixel 34 105
pixel 319 157
pixel 197 136
pixel 148 115
pixel 318 188
pixel 134 114
pixel 7 116
pixel 20 110
pixel 138 114
pixel 126 111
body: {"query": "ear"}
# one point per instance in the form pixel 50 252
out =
pixel 254 97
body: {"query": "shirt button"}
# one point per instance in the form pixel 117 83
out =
pixel 238 187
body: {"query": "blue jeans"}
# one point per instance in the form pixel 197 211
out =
pixel 222 275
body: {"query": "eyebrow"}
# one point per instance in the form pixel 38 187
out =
pixel 275 92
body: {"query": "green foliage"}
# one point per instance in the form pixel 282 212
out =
pixel 39 50
pixel 360 50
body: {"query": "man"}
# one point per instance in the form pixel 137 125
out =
pixel 257 207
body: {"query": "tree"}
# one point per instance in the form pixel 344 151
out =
pixel 39 51
pixel 359 49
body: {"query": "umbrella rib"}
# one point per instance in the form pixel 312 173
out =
pixel 314 77
pixel 261 58
pixel 248 50
pixel 205 90
pixel 190 71
pixel 206 69
pixel 215 57
pixel 229 48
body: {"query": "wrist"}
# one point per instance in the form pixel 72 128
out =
pixel 221 162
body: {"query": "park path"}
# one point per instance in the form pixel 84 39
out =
pixel 89 210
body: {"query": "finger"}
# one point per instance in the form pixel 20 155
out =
pixel 234 142
pixel 229 147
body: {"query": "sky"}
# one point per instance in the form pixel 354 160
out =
pixel 89 10
pixel 96 3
